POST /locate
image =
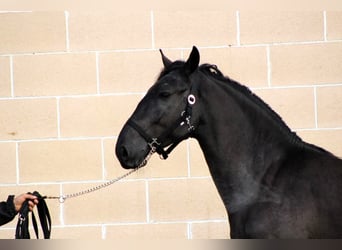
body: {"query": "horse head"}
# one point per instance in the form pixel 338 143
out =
pixel 164 117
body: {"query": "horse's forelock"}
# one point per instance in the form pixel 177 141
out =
pixel 172 67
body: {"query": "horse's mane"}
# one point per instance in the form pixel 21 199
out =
pixel 213 72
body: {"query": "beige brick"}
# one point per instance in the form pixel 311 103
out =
pixel 147 231
pixel 79 232
pixel 60 161
pixel 8 163
pixel 53 205
pixel 329 106
pixel 271 27
pixel 198 165
pixel 7 233
pixel 334 25
pixel 210 230
pixel 306 64
pixel 189 199
pixel 100 30
pixel 200 28
pixel 295 106
pixel 96 116
pixel 32 32
pixel 121 202
pixel 246 65
pixel 175 166
pixel 131 71
pixel 59 74
pixel 5 79
pixel 26 119
pixel 328 139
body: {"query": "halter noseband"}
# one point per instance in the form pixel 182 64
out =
pixel 155 143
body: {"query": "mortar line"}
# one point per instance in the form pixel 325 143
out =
pixel 147 190
pixel 11 76
pixel 134 223
pixel 189 230
pixel 67 38
pixel 315 107
pixel 83 138
pixel 15 11
pixel 74 96
pixel 217 220
pixel 32 183
pixel 58 117
pixel 325 26
pixel 269 66
pixel 104 172
pixel 317 129
pixel 17 163
pixel 98 181
pixel 313 42
pixel 188 157
pixel 103 232
pixel 140 223
pixel 298 86
pixel 61 207
pixel 97 73
pixel 284 43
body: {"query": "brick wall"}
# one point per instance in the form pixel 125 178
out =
pixel 69 80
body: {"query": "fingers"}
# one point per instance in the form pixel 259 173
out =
pixel 20 199
pixel 31 205
pixel 33 200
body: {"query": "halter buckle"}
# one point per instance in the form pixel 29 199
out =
pixel 154 143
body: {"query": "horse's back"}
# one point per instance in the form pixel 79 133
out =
pixel 323 172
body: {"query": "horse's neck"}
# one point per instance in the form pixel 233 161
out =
pixel 236 156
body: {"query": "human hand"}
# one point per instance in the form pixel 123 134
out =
pixel 20 199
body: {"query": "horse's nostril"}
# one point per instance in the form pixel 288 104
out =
pixel 124 153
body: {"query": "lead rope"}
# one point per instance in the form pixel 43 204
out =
pixel 22 229
pixel 62 198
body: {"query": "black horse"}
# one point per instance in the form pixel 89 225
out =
pixel 273 184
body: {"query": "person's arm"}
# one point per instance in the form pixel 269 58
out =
pixel 10 208
pixel 7 210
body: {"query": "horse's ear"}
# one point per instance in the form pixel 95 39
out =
pixel 166 61
pixel 193 61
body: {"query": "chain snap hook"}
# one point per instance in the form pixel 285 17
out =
pixel 62 199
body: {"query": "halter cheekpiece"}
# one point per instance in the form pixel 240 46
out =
pixel 155 143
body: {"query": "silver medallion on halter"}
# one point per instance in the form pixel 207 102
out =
pixel 191 99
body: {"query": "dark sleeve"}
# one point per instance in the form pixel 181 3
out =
pixel 7 210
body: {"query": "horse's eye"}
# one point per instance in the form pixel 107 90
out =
pixel 164 94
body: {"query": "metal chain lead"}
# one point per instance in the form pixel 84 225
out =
pixel 62 198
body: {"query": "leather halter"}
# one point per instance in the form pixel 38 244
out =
pixel 156 143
